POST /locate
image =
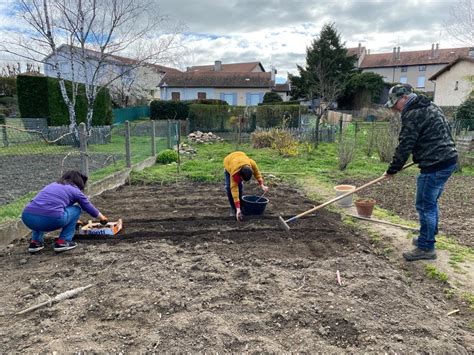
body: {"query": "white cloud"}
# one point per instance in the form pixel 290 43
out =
pixel 277 32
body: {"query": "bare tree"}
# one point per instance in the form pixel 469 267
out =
pixel 93 33
pixel 461 22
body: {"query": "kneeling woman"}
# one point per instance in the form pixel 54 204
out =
pixel 54 208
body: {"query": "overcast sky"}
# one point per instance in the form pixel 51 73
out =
pixel 277 32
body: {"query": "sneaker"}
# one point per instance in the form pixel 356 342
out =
pixel 35 247
pixel 419 254
pixel 63 245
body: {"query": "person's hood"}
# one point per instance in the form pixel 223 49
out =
pixel 419 102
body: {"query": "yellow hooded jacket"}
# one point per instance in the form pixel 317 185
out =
pixel 232 164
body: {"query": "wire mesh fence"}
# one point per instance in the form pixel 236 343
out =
pixel 33 155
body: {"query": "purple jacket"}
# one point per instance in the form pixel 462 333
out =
pixel 55 197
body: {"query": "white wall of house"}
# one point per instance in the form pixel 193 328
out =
pixel 238 97
pixel 285 96
pixel 454 85
pixel 411 74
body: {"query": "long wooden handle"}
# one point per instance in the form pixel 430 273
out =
pixel 344 195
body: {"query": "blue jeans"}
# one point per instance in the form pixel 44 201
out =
pixel 429 188
pixel 41 224
pixel 229 194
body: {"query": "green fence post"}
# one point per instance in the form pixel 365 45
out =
pixel 128 148
pixel 153 139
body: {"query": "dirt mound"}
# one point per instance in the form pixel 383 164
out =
pixel 184 276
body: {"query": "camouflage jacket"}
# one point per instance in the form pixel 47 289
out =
pixel 426 134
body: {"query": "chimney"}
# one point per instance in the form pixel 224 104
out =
pixel 217 65
pixel 437 50
pixel 274 71
pixel 359 49
pixel 432 50
pixel 394 53
pixel 188 68
pixel 398 52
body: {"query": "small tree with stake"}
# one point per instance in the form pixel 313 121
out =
pixel 327 69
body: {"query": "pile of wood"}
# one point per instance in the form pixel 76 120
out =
pixel 206 138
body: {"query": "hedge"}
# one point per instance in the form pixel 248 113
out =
pixel 40 96
pixel 7 86
pixel 169 110
pixel 272 115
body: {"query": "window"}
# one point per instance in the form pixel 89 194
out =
pixel 404 69
pixel 456 85
pixel 201 95
pixel 175 96
pixel 403 80
pixel 420 83
pixel 422 68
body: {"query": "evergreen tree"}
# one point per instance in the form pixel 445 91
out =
pixel 271 97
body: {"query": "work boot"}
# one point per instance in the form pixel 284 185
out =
pixel 419 254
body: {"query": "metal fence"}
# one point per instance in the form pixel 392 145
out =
pixel 121 115
pixel 30 159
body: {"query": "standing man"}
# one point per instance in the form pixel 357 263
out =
pixel 425 134
pixel 239 167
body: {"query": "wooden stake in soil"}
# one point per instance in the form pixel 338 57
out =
pixel 58 298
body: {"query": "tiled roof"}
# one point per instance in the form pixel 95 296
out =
pixel 356 51
pixel 281 87
pixel 413 58
pixel 233 67
pixel 120 59
pixel 218 80
pixel 450 65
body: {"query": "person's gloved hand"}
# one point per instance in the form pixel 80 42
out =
pixel 264 188
pixel 238 215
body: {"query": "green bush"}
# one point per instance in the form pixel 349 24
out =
pixel 209 102
pixel 464 116
pixel 167 156
pixel 270 97
pixel 7 86
pixel 278 115
pixel 40 96
pixel 169 110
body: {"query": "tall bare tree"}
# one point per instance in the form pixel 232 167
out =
pixel 461 22
pixel 90 35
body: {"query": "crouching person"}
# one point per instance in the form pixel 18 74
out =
pixel 54 208
pixel 238 167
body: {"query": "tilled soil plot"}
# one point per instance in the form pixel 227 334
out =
pixel 456 204
pixel 21 174
pixel 185 276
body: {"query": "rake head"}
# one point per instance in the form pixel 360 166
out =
pixel 284 224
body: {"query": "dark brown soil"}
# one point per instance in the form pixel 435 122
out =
pixel 456 203
pixel 183 276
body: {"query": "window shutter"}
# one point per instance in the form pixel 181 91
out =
pixel 222 96
pixel 234 99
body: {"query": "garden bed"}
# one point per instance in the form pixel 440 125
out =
pixel 183 276
pixel 456 203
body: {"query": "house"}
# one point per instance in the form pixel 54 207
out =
pixel 242 84
pixel 283 90
pixel 132 76
pixel 412 67
pixel 455 81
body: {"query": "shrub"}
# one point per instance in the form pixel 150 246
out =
pixel 167 156
pixel 7 86
pixel 209 117
pixel 209 102
pixel 40 97
pixel 169 110
pixel 346 150
pixel 285 143
pixel 273 115
pixel 387 140
pixel 464 117
pixel 262 139
pixel 271 97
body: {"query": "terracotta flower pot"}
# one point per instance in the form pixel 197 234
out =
pixel 365 206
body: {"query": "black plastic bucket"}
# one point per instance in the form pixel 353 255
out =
pixel 250 206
